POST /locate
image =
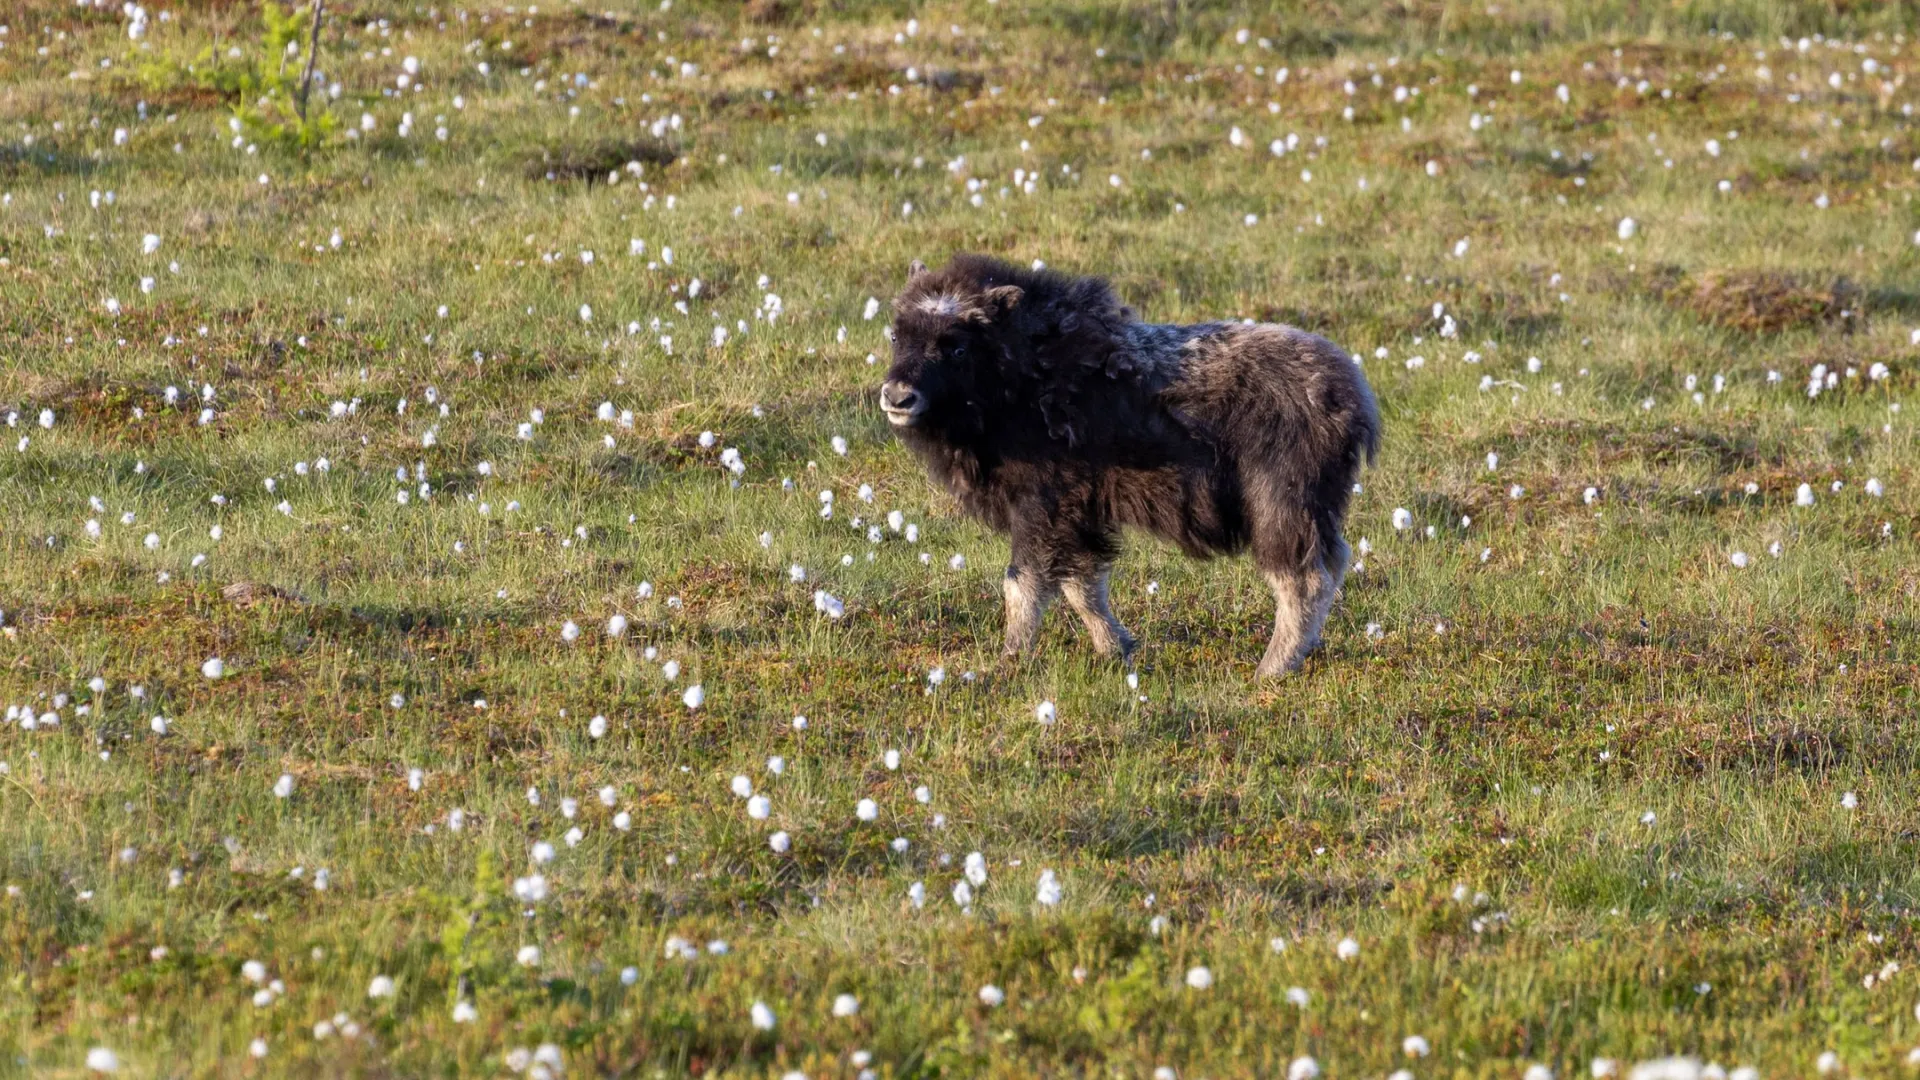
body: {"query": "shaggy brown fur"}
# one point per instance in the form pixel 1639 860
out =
pixel 1051 413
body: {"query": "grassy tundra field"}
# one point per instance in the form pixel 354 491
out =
pixel 419 561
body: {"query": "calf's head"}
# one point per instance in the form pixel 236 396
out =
pixel 948 347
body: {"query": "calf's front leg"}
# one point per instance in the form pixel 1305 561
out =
pixel 1028 591
pixel 1086 594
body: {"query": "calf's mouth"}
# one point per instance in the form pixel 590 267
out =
pixel 902 404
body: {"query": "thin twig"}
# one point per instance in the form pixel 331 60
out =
pixel 313 54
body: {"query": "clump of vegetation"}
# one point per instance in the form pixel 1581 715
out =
pixel 268 85
pixel 595 161
pixel 1761 301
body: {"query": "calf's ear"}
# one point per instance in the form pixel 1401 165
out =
pixel 1003 298
pixel 915 269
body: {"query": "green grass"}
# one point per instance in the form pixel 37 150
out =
pixel 1500 702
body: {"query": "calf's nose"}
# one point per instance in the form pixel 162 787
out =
pixel 898 397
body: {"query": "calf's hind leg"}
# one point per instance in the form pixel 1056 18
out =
pixel 1086 593
pixel 1303 596
pixel 1337 558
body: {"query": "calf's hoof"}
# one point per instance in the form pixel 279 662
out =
pixel 1278 669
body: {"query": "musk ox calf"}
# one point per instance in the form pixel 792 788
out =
pixel 1054 415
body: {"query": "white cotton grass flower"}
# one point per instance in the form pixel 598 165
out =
pixel 102 1060
pixel 213 668
pixel 1803 496
pixel 1347 948
pixel 528 956
pixel 1415 1046
pixel 1666 1068
pixel 1402 519
pixel 597 728
pixel 1199 978
pixel 780 842
pixel 381 987
pixel 759 807
pixel 1627 228
pixel 762 1016
pixel 1047 891
pixel 1045 712
pixel 1602 1067
pixel 1849 801
pixel 695 696
pixel 283 787
pixel 992 996
pixel 1739 560
pixel 1537 1071
pixel 1303 1068
pixel 1827 1063
pixel 976 868
pixel 866 810
pixel 845 1005
pixel 1298 997
pixel 465 1013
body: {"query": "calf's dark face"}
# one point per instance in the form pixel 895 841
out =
pixel 932 374
pixel 944 341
